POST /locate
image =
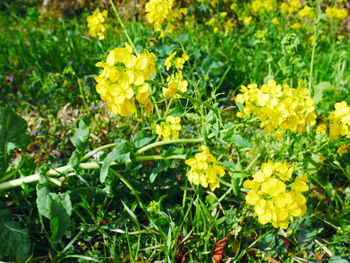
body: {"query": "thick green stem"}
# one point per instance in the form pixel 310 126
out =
pixel 68 168
pixel 152 145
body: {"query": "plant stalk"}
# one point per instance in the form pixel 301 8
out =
pixel 69 168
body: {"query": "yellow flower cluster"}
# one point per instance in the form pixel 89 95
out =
pixel 160 12
pixel 176 62
pixel 291 7
pixel 339 121
pixel 95 24
pixel 221 23
pixel 170 129
pixel 276 196
pixel 124 75
pixel 306 12
pixel 263 5
pixel 336 13
pixel 278 106
pixel 296 7
pixel 204 169
pixel 175 83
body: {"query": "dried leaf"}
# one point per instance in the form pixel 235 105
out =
pixel 219 250
pixel 179 257
pixel 319 256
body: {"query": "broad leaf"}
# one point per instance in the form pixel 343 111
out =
pixel 12 136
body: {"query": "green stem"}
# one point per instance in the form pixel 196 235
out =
pixel 312 59
pixel 199 103
pixel 101 148
pixel 152 145
pixel 132 189
pixel 69 168
pixel 122 25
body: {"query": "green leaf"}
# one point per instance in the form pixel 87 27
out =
pixel 119 154
pixel 80 141
pixel 240 141
pixel 14 239
pixel 12 136
pixel 57 208
pixel 142 138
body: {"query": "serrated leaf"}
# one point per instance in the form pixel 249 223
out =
pixel 240 141
pixel 12 136
pixel 119 154
pixel 80 141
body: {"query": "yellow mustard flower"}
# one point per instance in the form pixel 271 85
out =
pixel 170 129
pixel 175 83
pixel 123 75
pixel 339 121
pixel 160 12
pixel 278 106
pixel 204 169
pixel 336 13
pixel 306 12
pixel 95 24
pixel 321 128
pixel 276 197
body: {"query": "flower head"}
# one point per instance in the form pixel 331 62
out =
pixel 339 121
pixel 170 129
pixel 277 198
pixel 204 169
pixel 123 75
pixel 96 24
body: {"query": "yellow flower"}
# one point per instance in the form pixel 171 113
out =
pixel 247 20
pixel 180 61
pixel 95 24
pixel 204 169
pixel 176 62
pixel 275 199
pixel 175 83
pixel 170 129
pixel 296 25
pixel 169 59
pixel 335 13
pixel 306 12
pixel 123 75
pixel 321 128
pixel 275 21
pixel 160 12
pixel 278 106
pixel 339 121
